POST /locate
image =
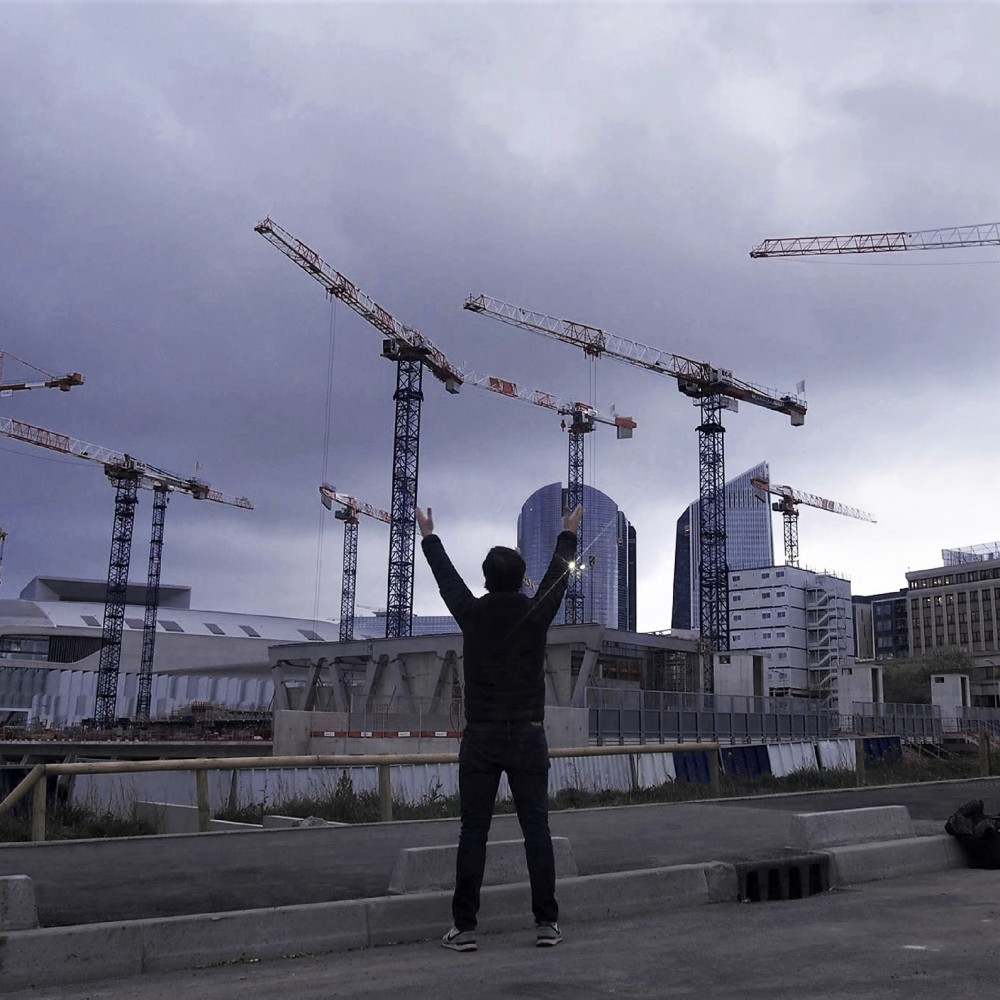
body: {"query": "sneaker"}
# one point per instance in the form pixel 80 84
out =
pixel 547 935
pixel 458 940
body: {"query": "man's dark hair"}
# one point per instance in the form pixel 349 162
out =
pixel 503 569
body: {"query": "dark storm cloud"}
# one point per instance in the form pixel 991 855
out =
pixel 609 164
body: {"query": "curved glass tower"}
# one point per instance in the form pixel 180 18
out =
pixel 748 543
pixel 606 552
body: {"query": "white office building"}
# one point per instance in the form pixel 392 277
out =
pixel 802 623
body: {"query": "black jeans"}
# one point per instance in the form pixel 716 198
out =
pixel 487 750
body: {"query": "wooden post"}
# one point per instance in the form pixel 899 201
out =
pixel 984 754
pixel 234 802
pixel 204 807
pixel 859 760
pixel 713 773
pixel 385 792
pixel 38 810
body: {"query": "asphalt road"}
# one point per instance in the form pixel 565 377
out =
pixel 916 938
pixel 92 881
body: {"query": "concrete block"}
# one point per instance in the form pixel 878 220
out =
pixel 417 916
pixel 424 869
pixel 623 894
pixel 894 858
pixel 18 911
pixel 819 830
pixel 170 818
pixel 239 935
pixel 54 956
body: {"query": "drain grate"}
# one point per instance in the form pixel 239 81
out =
pixel 784 878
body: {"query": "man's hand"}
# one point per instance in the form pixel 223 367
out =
pixel 425 521
pixel 571 518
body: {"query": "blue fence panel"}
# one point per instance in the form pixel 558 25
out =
pixel 692 767
pixel 883 748
pixel 746 761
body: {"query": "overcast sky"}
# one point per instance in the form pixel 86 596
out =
pixel 610 163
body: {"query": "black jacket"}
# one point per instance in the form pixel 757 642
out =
pixel 503 636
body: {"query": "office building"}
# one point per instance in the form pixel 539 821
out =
pixel 957 605
pixel 607 552
pixel 800 621
pixel 748 543
pixel 881 626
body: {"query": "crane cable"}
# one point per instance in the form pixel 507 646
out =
pixel 327 421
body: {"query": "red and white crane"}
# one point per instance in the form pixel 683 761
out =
pixel 351 508
pixel 413 352
pixel 127 474
pixel 788 506
pixel 985 234
pixel 714 389
pixel 62 382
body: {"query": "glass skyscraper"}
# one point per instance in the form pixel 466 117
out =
pixel 607 552
pixel 749 543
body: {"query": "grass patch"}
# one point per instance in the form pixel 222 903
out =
pixel 73 822
pixel 343 803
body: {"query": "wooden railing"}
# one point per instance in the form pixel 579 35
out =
pixel 35 781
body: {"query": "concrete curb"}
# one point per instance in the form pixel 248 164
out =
pixel 430 869
pixel 58 955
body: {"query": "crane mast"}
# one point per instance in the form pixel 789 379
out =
pixel 713 389
pixel 349 515
pixel 412 352
pixel 979 235
pixel 127 475
pixel 582 419
pixel 787 505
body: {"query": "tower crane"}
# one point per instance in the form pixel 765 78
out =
pixel 412 352
pixel 788 506
pixel 62 382
pixel 714 389
pixel 582 418
pixel 127 475
pixel 981 235
pixel 349 515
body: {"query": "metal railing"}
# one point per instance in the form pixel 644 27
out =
pixel 631 715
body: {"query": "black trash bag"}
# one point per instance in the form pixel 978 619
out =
pixel 978 834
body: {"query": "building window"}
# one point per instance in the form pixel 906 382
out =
pixel 737 597
pixel 737 618
pixel 134 623
pixel 24 647
pixel 781 614
pixel 736 579
pixel 780 635
pixel 779 593
pixel 252 632
pixel 311 635
pixel 782 656
pixel 765 576
pixel 766 614
pixel 765 593
pixel 780 572
pixel 767 635
pixel 214 629
pixel 90 620
pixel 169 626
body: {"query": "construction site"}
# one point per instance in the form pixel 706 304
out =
pixel 772 644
